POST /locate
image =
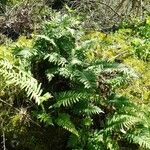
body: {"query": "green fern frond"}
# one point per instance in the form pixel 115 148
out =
pixel 47 39
pixel 65 72
pixel 75 61
pixel 49 76
pixel 64 121
pixel 51 72
pixel 117 81
pixel 97 69
pixel 141 137
pixel 91 109
pixel 120 102
pixel 100 66
pixel 73 141
pixel 56 59
pixel 126 121
pixel 130 72
pixel 104 64
pixel 69 98
pixel 18 77
pixel 111 144
pixel 45 118
pixel 87 78
pixel 95 141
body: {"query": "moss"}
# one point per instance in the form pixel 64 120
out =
pixel 128 46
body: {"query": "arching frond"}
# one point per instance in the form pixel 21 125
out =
pixel 64 121
pixel 69 98
pixel 120 121
pixel 15 76
pixel 56 59
pixel 91 109
pixel 87 78
pixel 140 137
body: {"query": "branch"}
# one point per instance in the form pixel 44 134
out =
pixel 120 54
pixel 3 135
pixel 8 104
pixel 110 8
pixel 4 141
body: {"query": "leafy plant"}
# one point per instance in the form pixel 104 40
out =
pixel 81 87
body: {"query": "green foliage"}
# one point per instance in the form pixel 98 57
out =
pixel 64 121
pixel 81 78
pixel 69 98
pixel 127 45
pixel 15 76
pixel 131 46
pixel 45 118
pixel 71 67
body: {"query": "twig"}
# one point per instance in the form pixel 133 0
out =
pixel 8 104
pixel 120 54
pixel 3 135
pixel 110 8
pixel 4 141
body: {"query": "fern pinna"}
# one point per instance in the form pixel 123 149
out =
pixel 80 93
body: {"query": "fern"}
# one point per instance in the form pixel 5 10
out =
pixel 91 110
pixel 68 59
pixel 69 98
pixel 120 102
pixel 132 123
pixel 15 76
pixel 56 59
pixel 87 78
pixel 64 121
pixel 47 39
pixel 84 97
pixel 141 137
pixel 120 121
pixel 45 118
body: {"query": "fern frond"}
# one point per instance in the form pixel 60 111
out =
pixel 69 98
pixel 65 72
pixel 45 118
pixel 64 121
pixel 117 122
pixel 104 64
pixel 16 76
pixel 49 76
pixel 111 144
pixel 141 137
pixel 76 61
pixel 47 39
pixel 56 59
pixel 91 109
pixel 130 72
pixel 120 102
pixel 87 78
